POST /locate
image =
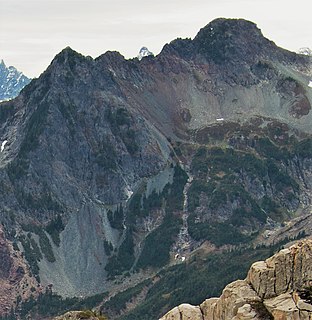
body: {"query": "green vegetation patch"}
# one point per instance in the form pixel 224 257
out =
pixel 54 228
pixel 43 201
pixel 216 160
pixel 44 242
pixel 106 156
pixel 157 244
pixel 124 259
pixel 35 126
pixel 50 304
pixel 304 148
pixel 198 279
pixel 121 122
pixel 68 112
pixel 116 218
pixel 32 255
pixel 266 148
pixel 219 233
pixel 198 187
pixel 223 187
pixel 155 252
pixel 119 302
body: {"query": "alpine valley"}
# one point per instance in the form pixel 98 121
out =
pixel 132 186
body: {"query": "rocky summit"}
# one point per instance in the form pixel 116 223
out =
pixel 277 288
pixel 119 178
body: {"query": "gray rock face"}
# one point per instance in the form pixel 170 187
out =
pixel 91 140
pixel 272 290
pixel 12 82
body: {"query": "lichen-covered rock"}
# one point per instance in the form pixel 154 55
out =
pixel 234 296
pixel 303 301
pixel 208 307
pixel 80 315
pixel 282 307
pixel 246 312
pixel 289 269
pixel 184 312
pixel 173 314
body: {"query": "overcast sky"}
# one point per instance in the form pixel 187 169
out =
pixel 32 32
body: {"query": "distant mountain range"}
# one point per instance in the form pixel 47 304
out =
pixel 12 81
pixel 166 176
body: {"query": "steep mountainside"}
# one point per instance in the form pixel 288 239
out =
pixel 114 169
pixel 12 82
pixel 278 288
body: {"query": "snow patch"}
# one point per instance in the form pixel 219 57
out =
pixel 220 119
pixel 310 84
pixel 3 145
pixel 128 193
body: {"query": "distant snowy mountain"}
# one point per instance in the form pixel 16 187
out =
pixel 144 52
pixel 306 51
pixel 12 82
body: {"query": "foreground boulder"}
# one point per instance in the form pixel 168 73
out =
pixel 278 288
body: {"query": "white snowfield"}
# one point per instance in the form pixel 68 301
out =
pixel 3 145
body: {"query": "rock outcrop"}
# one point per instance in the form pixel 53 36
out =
pixel 80 315
pixel 278 288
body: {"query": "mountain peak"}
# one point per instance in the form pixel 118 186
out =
pixel 12 81
pixel 67 59
pixel 232 22
pixel 230 28
pixel 144 52
pixel 228 39
pixel 65 54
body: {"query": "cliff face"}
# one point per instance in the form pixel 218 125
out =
pixel 110 166
pixel 277 288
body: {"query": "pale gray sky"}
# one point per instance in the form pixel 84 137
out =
pixel 32 32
